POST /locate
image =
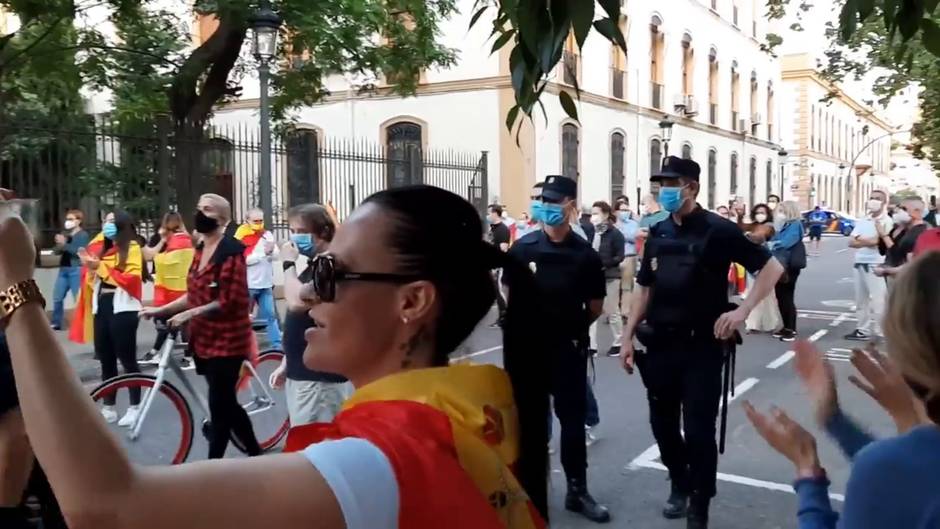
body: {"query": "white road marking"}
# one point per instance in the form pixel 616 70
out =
pixel 475 354
pixel 839 319
pixel 650 455
pixel 843 250
pixel 781 360
pixel 841 303
pixel 818 334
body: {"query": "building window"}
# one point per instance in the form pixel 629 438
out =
pixel 569 150
pixel 735 90
pixel 755 115
pixel 712 177
pixel 303 167
pixel 734 13
pixel 616 165
pixel 713 86
pixel 656 155
pixel 812 127
pixel 569 61
pixel 733 187
pixel 405 161
pixel 769 183
pixel 714 4
pixel 657 48
pixel 770 111
pixel 687 151
pixel 688 65
pixel 618 66
pixel 752 181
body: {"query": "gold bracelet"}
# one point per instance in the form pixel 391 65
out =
pixel 18 295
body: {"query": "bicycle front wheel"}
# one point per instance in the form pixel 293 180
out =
pixel 266 407
pixel 163 431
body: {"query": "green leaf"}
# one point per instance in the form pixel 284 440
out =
pixel 847 22
pixel 567 104
pixel 582 14
pixel 865 9
pixel 930 6
pixel 908 19
pixel 930 36
pixel 609 29
pixel 476 16
pixel 502 40
pixel 612 7
pixel 511 117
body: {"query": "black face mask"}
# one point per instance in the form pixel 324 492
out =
pixel 204 224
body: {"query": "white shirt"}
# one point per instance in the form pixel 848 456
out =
pixel 362 479
pixel 866 228
pixel 260 269
pixel 123 302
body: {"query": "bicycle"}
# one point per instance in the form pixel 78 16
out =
pixel 268 415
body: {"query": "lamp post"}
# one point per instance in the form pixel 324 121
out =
pixel 666 127
pixel 782 155
pixel 265 24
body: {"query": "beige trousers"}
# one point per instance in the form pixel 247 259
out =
pixel 611 314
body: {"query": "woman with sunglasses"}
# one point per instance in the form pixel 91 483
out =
pixel 215 307
pixel 421 444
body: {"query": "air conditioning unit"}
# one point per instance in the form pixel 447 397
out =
pixel 744 125
pixel 756 118
pixel 678 103
pixel 691 107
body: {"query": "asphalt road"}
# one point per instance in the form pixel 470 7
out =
pixel 625 472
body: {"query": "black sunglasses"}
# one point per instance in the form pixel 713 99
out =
pixel 326 275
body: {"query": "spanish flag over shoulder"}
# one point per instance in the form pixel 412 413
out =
pixel 452 437
pixel 172 268
pixel 249 237
pixel 129 279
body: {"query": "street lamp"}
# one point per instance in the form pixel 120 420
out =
pixel 782 155
pixel 265 24
pixel 666 127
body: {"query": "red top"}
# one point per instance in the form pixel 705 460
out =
pixel 227 331
pixel 927 241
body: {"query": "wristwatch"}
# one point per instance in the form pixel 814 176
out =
pixel 17 295
pixel 288 265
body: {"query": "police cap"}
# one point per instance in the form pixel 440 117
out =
pixel 675 167
pixel 557 187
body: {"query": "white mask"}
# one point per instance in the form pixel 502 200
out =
pixel 70 224
pixel 874 205
pixel 772 205
pixel 597 220
pixel 779 220
pixel 901 217
pixel 760 217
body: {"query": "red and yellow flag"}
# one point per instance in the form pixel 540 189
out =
pixel 452 437
pixel 172 268
pixel 249 237
pixel 129 279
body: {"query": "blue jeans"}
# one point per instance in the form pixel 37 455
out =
pixel 267 312
pixel 69 279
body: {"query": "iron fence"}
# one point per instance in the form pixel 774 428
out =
pixel 150 168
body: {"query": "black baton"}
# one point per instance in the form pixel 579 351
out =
pixel 728 348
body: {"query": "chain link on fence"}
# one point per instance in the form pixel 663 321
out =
pixel 150 168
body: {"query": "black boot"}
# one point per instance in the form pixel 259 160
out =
pixel 698 513
pixel 678 503
pixel 580 501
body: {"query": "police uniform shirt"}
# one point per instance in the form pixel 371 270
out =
pixel 694 295
pixel 569 275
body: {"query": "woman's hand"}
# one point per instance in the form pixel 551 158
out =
pixel 182 318
pixel 149 313
pixel 818 379
pixel 289 251
pixel 884 383
pixel 279 376
pixel 786 436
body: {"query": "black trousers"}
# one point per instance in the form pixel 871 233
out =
pixel 227 415
pixel 116 339
pixel 683 387
pixel 785 290
pixel 569 392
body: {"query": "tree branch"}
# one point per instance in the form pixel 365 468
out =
pixel 31 45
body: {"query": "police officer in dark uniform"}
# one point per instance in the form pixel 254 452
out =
pixel 683 317
pixel 571 280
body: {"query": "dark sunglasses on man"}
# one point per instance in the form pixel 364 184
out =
pixel 326 273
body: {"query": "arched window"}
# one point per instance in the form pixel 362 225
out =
pixel 687 151
pixel 656 156
pixel 569 150
pixel 616 165
pixel 733 187
pixel 303 167
pixel 403 139
pixel 712 177
pixel 769 184
pixel 752 181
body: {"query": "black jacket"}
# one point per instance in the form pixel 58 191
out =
pixel 611 251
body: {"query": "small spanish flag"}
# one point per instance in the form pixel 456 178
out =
pixel 82 327
pixel 172 268
pixel 249 237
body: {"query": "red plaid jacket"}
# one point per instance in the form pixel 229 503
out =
pixel 227 331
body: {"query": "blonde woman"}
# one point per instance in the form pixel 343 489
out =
pixel 894 482
pixel 787 247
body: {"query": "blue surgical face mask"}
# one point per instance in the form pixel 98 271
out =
pixel 553 214
pixel 109 230
pixel 536 208
pixel 304 243
pixel 670 198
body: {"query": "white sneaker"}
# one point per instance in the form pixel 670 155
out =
pixel 130 417
pixel 109 414
pixel 589 437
